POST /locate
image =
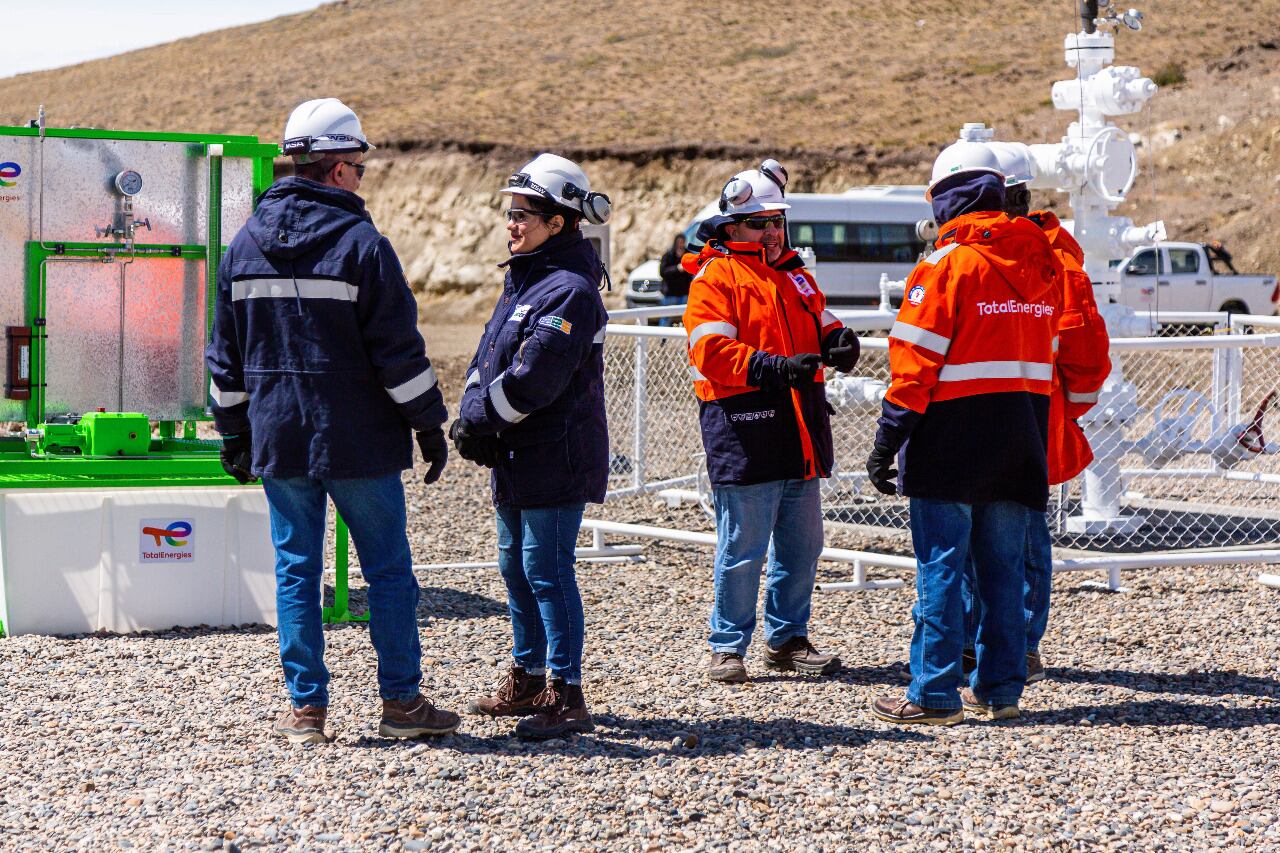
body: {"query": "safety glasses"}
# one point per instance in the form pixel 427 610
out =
pixel 520 217
pixel 762 223
pixel 359 167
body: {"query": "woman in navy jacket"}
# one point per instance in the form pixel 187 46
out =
pixel 533 411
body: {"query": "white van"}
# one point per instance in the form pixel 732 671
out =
pixel 856 235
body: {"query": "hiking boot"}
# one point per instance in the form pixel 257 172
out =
pixel 560 710
pixel 971 702
pixel 798 654
pixel 302 725
pixel 968 661
pixel 893 709
pixel 416 718
pixel 514 697
pixel 1035 668
pixel 727 667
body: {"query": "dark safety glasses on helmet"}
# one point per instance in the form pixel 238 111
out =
pixel 525 182
pixel 761 223
pixel 520 217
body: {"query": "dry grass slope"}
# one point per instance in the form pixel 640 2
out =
pixel 623 76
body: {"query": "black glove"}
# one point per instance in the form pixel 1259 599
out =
pixel 435 452
pixel 237 457
pixel 840 349
pixel 486 450
pixel 880 467
pixel 774 372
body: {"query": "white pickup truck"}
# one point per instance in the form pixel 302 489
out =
pixel 1179 277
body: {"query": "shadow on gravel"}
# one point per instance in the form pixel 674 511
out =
pixel 436 602
pixel 887 674
pixel 1158 712
pixel 1227 683
pixel 619 738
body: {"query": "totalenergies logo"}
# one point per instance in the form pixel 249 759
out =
pixel 9 173
pixel 175 535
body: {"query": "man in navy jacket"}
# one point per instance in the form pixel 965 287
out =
pixel 318 376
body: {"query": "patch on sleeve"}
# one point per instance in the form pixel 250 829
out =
pixel 801 283
pixel 941 253
pixel 518 314
pixel 916 294
pixel 558 323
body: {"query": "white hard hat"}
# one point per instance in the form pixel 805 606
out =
pixel 562 182
pixel 755 190
pixel 1015 162
pixel 323 126
pixel 963 156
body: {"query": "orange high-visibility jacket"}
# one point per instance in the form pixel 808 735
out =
pixel 972 354
pixel 740 305
pixel 1083 362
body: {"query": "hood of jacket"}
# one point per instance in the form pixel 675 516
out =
pixel 1059 237
pixel 967 192
pixel 1016 248
pixel 296 215
pixel 568 251
pixel 789 259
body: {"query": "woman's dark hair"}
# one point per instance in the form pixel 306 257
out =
pixel 550 208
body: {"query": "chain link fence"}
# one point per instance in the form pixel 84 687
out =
pixel 1188 455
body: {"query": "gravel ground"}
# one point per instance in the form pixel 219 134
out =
pixel 1158 729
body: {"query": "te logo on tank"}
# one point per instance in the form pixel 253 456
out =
pixel 166 540
pixel 9 173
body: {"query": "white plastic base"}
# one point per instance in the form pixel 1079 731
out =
pixel 79 560
pixel 1120 525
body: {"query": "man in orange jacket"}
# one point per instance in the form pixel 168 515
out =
pixel 759 333
pixel 1080 367
pixel 966 415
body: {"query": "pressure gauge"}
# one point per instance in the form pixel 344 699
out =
pixel 128 183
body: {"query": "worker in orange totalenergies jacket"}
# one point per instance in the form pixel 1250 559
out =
pixel 967 414
pixel 1080 367
pixel 759 333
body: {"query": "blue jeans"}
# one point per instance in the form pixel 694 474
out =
pixel 784 519
pixel 535 555
pixel 1036 589
pixel 672 300
pixel 943 535
pixel 375 513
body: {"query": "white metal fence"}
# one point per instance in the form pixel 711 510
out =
pixel 1196 473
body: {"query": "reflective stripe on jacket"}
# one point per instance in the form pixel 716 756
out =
pixel 315 344
pixel 740 305
pixel 972 361
pixel 537 378
pixel 1083 362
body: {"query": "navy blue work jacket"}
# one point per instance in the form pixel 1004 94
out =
pixel 537 378
pixel 315 343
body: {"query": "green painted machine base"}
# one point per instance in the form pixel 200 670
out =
pixel 340 612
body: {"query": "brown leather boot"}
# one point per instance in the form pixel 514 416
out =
pixel 514 697
pixel 561 710
pixel 798 654
pixel 416 718
pixel 982 707
pixel 727 667
pixel 893 709
pixel 1035 668
pixel 302 725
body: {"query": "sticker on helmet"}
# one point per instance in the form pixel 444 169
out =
pixel 916 295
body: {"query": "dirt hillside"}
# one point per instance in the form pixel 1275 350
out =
pixel 664 100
